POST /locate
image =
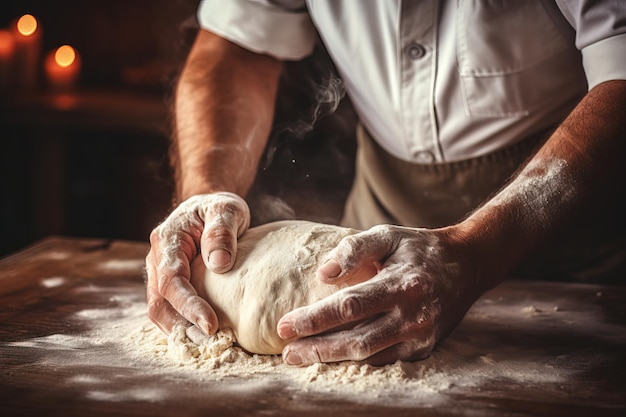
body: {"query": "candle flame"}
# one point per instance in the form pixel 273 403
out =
pixel 27 25
pixel 65 56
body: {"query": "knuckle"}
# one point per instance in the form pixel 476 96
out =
pixel 154 308
pixel 225 206
pixel 360 348
pixel 349 250
pixel 155 236
pixel 350 308
pixel 164 282
pixel 192 308
pixel 380 229
pixel 354 242
pixel 314 354
pixel 219 232
pixel 231 206
pixel 307 325
pixel 427 316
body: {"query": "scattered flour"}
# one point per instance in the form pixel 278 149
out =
pixel 138 394
pixel 531 310
pixel 483 352
pixel 53 255
pixel 220 358
pixel 121 265
pixel 53 282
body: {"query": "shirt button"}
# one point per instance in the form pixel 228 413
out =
pixel 424 157
pixel 416 51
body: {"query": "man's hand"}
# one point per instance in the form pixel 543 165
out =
pixel 209 224
pixel 423 289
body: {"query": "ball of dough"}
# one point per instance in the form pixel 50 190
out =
pixel 274 273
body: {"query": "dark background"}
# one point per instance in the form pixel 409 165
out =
pixel 94 163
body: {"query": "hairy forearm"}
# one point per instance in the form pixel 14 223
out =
pixel 574 175
pixel 224 107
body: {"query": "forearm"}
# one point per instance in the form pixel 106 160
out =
pixel 224 108
pixel 574 175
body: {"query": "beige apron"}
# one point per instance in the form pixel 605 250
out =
pixel 387 190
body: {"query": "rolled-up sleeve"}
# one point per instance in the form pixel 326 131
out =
pixel 281 29
pixel 600 35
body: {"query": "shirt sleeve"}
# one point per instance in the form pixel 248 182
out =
pixel 600 35
pixel 280 28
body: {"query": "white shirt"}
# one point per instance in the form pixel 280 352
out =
pixel 440 81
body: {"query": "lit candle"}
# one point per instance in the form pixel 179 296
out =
pixel 28 48
pixel 7 50
pixel 62 68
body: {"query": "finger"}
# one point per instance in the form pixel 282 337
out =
pixel 197 336
pixel 219 246
pixel 178 291
pixel 225 221
pixel 378 343
pixel 172 282
pixel 355 344
pixel 357 257
pixel 349 305
pixel 161 313
pixel 406 351
pixel 361 272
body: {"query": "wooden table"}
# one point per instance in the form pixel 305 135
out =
pixel 535 349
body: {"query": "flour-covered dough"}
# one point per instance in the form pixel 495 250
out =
pixel 274 273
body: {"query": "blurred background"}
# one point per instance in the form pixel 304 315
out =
pixel 84 146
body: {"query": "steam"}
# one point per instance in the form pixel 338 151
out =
pixel 327 95
pixel 309 92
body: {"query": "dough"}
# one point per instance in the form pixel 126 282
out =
pixel 274 273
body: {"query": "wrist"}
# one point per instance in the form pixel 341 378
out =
pixel 485 264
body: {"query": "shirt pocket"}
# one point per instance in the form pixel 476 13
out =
pixel 506 53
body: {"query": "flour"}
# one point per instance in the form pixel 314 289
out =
pixel 119 265
pixel 122 335
pixel 497 343
pixel 139 394
pixel 220 209
pixel 53 282
pixel 543 187
pixel 531 310
pixel 53 255
pixel 220 359
pixel 455 365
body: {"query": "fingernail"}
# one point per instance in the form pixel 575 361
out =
pixel 286 331
pixel 330 269
pixel 292 358
pixel 204 326
pixel 219 258
pixel 197 336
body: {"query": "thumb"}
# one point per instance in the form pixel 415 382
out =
pixel 356 258
pixel 225 220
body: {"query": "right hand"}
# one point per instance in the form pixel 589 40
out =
pixel 209 224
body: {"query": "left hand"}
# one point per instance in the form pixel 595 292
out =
pixel 423 289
